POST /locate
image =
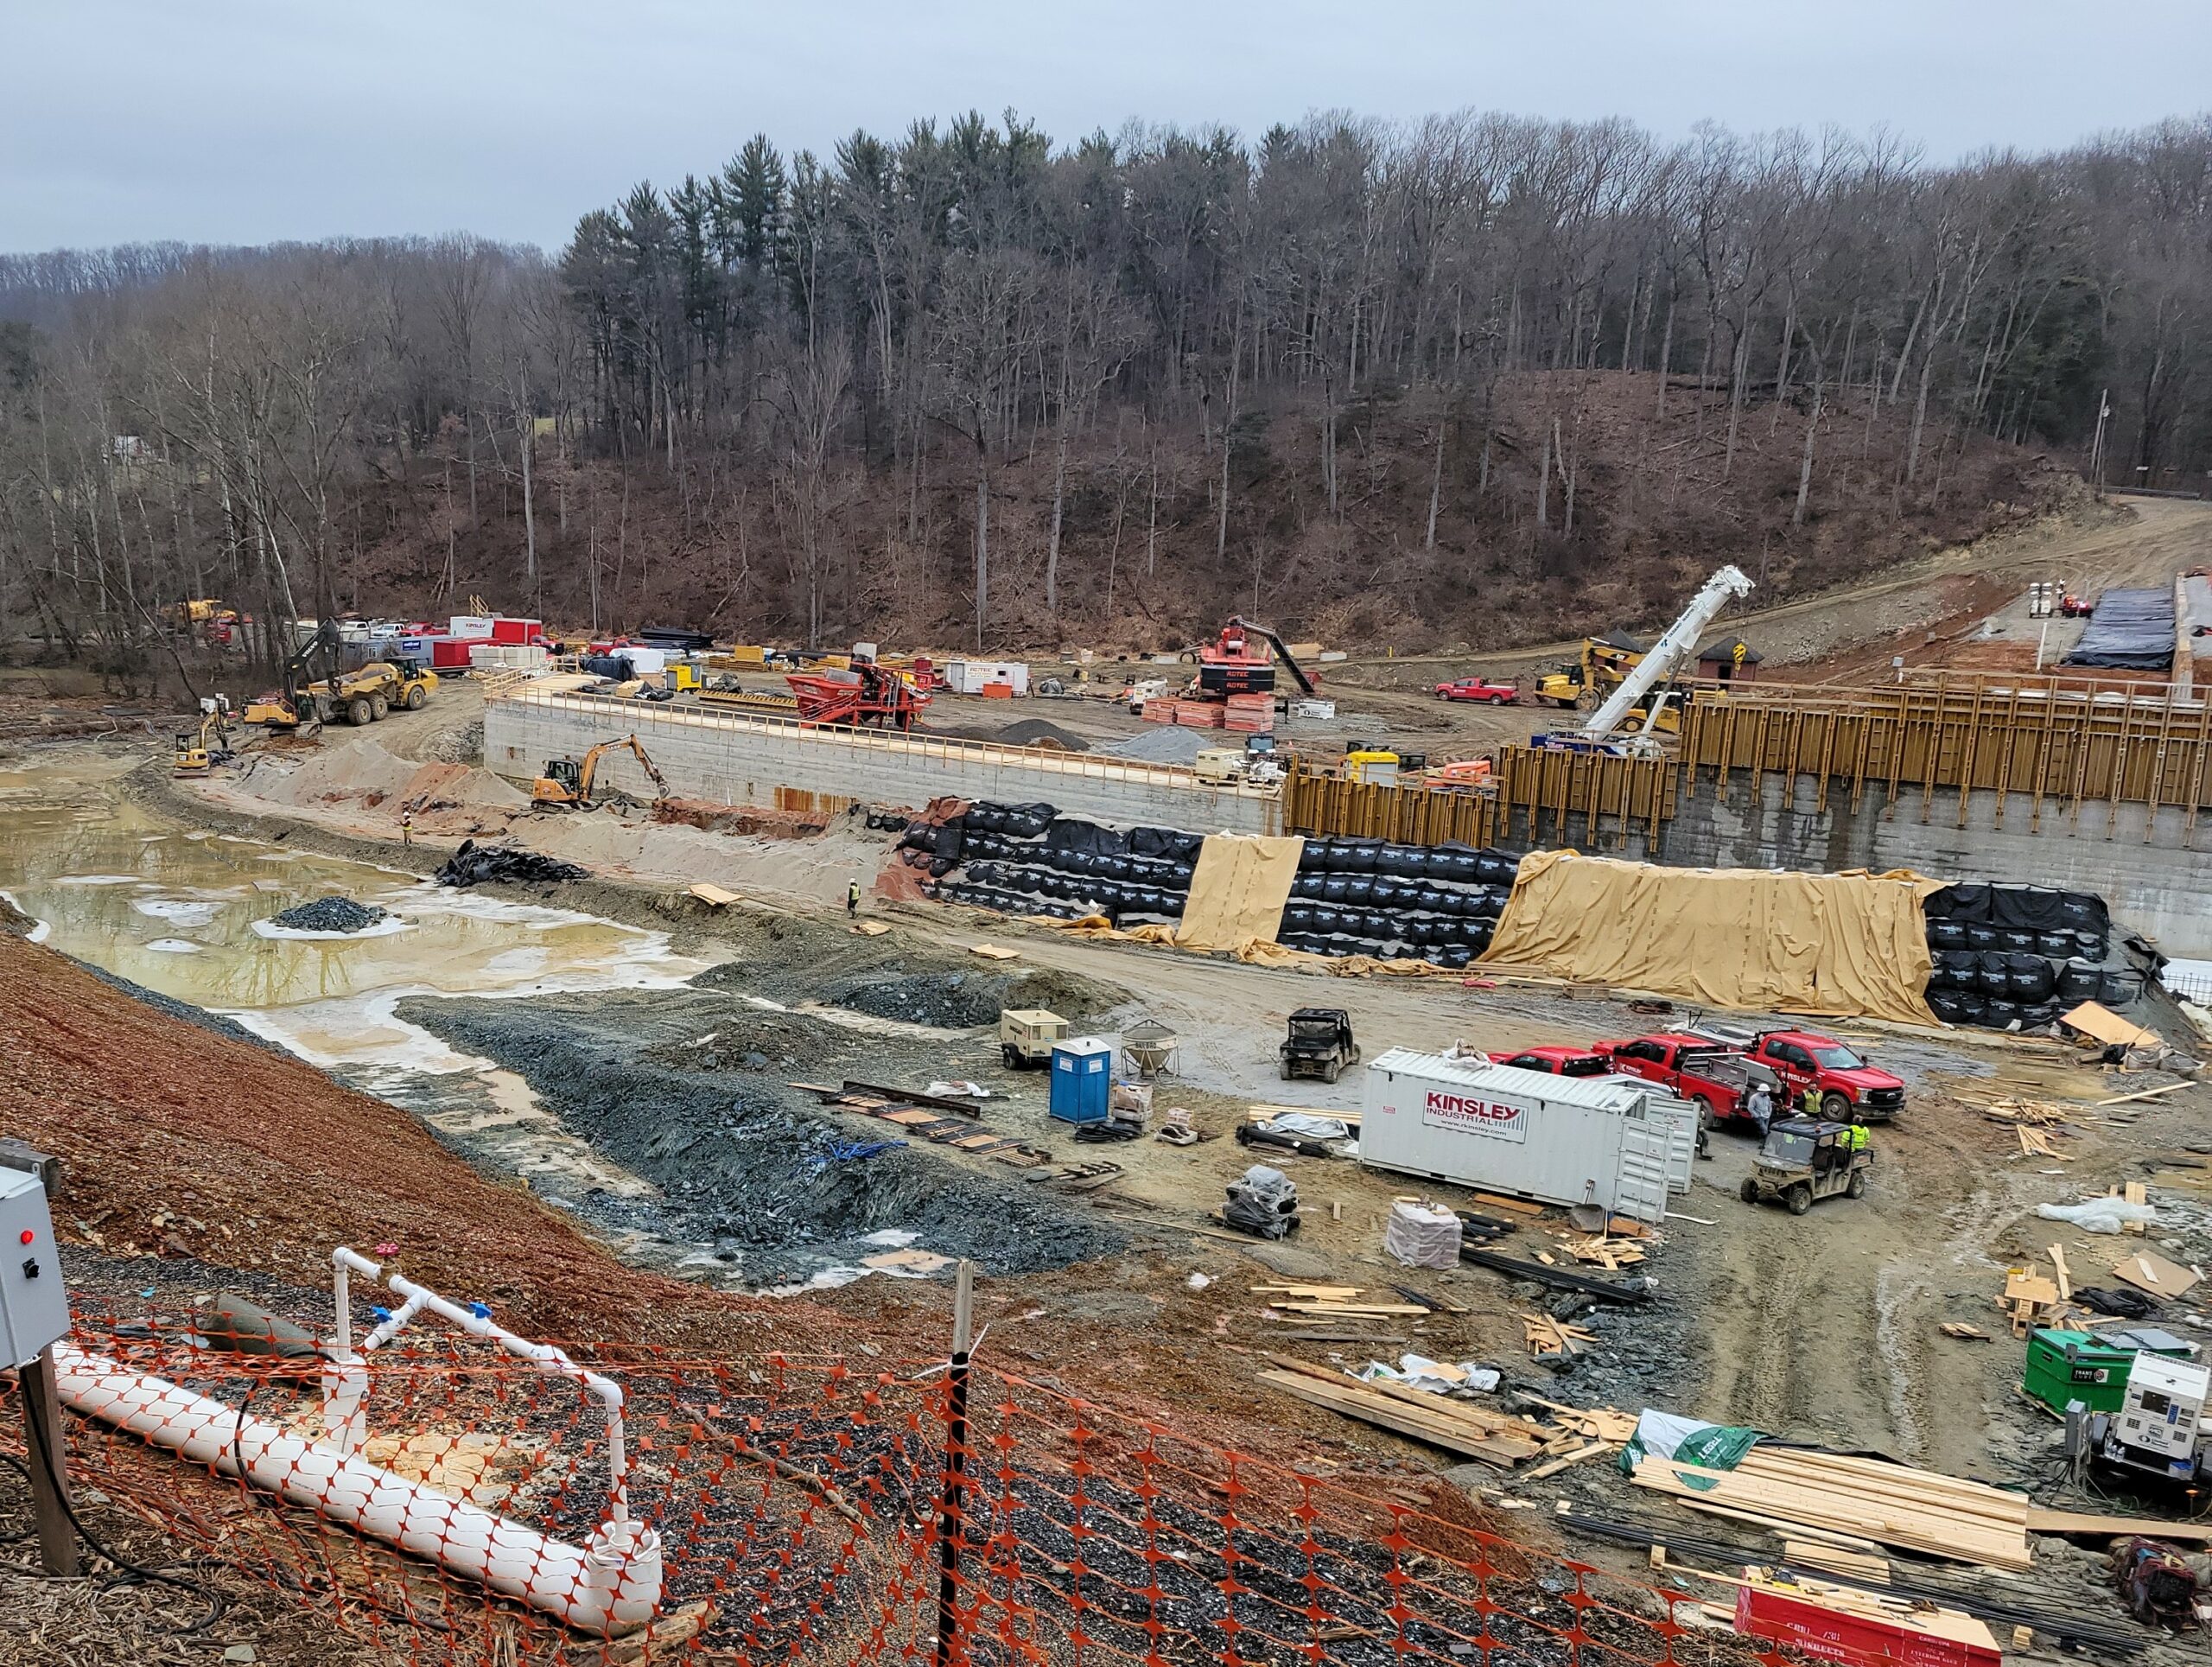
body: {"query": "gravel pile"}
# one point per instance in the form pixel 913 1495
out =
pixel 331 914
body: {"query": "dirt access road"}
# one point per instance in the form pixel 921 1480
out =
pixel 1919 610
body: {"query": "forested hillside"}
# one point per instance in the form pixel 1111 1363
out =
pixel 1482 379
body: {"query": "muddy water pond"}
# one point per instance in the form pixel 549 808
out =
pixel 189 915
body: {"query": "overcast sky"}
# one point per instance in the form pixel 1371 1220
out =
pixel 242 121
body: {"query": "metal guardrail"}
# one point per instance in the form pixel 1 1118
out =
pixel 946 750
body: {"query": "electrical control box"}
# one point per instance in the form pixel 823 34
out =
pixel 33 1302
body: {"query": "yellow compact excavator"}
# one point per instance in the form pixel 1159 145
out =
pixel 568 782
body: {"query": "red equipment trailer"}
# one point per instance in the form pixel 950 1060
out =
pixel 867 696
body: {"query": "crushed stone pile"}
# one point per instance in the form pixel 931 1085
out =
pixel 958 1000
pixel 473 865
pixel 331 914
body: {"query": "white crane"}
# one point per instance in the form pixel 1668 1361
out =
pixel 1675 644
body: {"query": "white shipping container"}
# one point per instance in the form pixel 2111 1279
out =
pixel 969 677
pixel 1612 1140
pixel 470 625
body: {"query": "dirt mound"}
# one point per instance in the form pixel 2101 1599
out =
pixel 958 1000
pixel 459 786
pixel 331 914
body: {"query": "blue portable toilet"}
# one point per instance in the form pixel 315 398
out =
pixel 1082 1079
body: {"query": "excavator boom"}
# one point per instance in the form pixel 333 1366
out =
pixel 1282 652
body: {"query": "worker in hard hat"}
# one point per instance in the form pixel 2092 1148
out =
pixel 852 900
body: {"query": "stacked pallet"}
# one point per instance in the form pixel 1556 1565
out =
pixel 1813 1494
pixel 1250 714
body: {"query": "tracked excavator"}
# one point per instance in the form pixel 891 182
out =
pixel 198 751
pixel 568 782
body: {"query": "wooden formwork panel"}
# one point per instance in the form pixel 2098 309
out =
pixel 1543 784
pixel 2048 746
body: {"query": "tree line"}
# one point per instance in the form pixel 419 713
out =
pixel 967 370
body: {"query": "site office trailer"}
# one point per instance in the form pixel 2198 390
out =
pixel 1613 1140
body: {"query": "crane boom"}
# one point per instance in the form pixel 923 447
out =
pixel 1679 640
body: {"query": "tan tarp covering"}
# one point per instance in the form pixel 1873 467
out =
pixel 1237 890
pixel 1837 944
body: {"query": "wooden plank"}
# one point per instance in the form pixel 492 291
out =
pixel 2057 1254
pixel 994 952
pixel 1389 1414
pixel 2042 1521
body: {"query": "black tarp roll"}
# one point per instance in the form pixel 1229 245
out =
pixel 2130 631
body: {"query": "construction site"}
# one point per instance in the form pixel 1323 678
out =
pixel 561 1148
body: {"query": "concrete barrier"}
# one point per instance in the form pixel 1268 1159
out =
pixel 736 759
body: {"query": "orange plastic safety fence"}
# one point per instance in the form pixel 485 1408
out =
pixel 809 1512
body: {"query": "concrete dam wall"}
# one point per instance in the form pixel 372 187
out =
pixel 735 759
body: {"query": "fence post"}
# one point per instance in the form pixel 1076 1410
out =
pixel 950 1508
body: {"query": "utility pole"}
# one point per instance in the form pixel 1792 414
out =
pixel 2097 443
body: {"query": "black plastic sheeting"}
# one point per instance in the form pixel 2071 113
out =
pixel 2130 631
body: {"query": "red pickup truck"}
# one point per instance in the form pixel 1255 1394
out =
pixel 1480 689
pixel 1690 1067
pixel 1557 1061
pixel 1848 1086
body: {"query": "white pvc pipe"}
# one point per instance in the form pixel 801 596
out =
pixel 613 1584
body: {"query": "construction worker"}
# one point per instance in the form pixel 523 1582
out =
pixel 1758 1106
pixel 1857 1136
pixel 852 900
pixel 407 825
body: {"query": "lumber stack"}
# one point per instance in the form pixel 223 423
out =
pixel 1573 1435
pixel 1808 1493
pixel 1453 1425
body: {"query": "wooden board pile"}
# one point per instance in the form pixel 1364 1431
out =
pixel 1459 1427
pixel 1339 1302
pixel 1546 1336
pixel 1811 1494
pixel 939 1121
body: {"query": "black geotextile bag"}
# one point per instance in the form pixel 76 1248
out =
pixel 1981 938
pixel 2037 908
pixel 1947 1005
pixel 1313 855
pixel 1400 861
pixel 1069 833
pixel 1358 856
pixel 2084 911
pixel 1334 888
pixel 1359 890
pixel 1999 1015
pixel 1493 868
pixel 1993 971
pixel 2120 986
pixel 1296 917
pixel 1968 901
pixel 918 837
pixel 2079 981
pixel 2057 945
pixel 2036 1014
pixel 1166 843
pixel 1946 934
pixel 2030 979
pixel 2018 939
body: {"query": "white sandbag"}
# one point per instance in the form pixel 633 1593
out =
pixel 1422 1236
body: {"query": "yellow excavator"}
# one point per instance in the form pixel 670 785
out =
pixel 360 697
pixel 567 783
pixel 199 750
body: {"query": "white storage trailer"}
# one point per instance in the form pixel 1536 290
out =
pixel 1612 1140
